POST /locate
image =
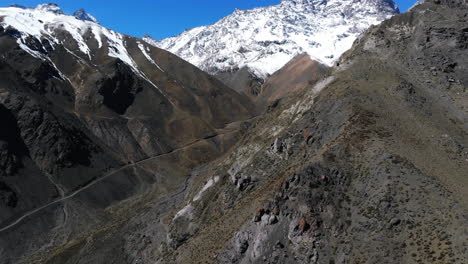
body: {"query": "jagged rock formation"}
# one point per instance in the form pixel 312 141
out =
pixel 249 45
pixel 94 121
pixel 83 15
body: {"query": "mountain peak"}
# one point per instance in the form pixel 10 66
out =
pixel 302 1
pixel 18 6
pixel 83 15
pixel 147 37
pixel 307 3
pixel 380 5
pixel 51 7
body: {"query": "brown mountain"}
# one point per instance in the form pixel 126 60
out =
pixel 294 77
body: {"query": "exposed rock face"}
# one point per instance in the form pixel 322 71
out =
pixel 243 81
pixel 83 15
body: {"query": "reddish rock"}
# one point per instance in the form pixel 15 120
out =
pixel 303 226
pixel 307 134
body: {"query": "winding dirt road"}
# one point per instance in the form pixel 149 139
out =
pixel 91 184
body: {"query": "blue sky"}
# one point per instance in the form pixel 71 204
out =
pixel 159 18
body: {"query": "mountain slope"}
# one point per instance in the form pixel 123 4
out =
pixel 367 166
pixel 293 78
pixel 265 39
pixel 93 120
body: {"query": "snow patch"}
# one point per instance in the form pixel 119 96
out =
pixel 97 32
pixel 145 52
pixel 208 185
pixel 322 84
pixel 118 50
pixel 187 210
pixel 40 56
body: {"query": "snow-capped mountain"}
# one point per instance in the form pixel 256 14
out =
pixel 49 35
pixel 109 70
pixel 77 33
pixel 264 39
pixel 53 8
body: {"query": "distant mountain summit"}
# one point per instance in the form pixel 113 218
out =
pixel 80 14
pixel 54 8
pixel 264 39
pixel 83 15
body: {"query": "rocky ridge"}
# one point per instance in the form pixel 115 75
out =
pixel 83 15
pixel 367 165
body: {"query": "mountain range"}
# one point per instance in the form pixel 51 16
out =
pixel 260 41
pixel 91 118
pixel 113 150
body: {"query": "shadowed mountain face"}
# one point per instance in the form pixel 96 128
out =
pixel 364 162
pixel 91 120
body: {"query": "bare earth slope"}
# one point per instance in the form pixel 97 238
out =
pixel 293 78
